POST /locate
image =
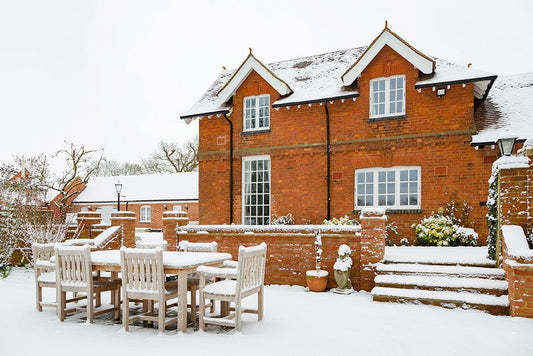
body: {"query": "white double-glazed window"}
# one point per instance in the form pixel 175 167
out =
pixel 387 96
pixel 256 112
pixel 146 213
pixel 256 190
pixel 392 188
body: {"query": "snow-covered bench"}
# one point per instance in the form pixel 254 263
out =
pixel 99 242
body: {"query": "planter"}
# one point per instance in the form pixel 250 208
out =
pixel 317 280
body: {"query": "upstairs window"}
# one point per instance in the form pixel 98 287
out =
pixel 256 113
pixel 387 96
pixel 393 188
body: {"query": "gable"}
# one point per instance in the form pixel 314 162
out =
pixel 252 64
pixel 388 38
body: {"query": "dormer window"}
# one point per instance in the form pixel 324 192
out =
pixel 256 113
pixel 387 96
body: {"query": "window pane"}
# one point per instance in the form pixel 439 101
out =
pixel 369 201
pixel 413 199
pixel 360 200
pixel 403 188
pixel 360 177
pixel 413 187
pixel 382 84
pixel 370 177
pixel 382 176
pixel 404 175
pixel 381 188
pixel 413 174
pixel 361 188
pixel 403 200
pixel 381 199
pixel 369 189
pixel 390 200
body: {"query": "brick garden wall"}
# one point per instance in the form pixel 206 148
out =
pixel 434 134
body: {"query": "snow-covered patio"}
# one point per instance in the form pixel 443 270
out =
pixel 296 322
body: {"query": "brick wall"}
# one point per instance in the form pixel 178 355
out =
pixel 290 254
pixel 157 211
pixel 515 198
pixel 434 134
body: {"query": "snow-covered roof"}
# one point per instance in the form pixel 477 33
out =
pixel 319 78
pixel 508 107
pixel 146 187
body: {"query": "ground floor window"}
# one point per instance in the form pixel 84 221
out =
pixel 146 213
pixel 391 188
pixel 256 190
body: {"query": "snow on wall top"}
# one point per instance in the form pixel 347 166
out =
pixel 508 107
pixel 318 77
pixel 146 187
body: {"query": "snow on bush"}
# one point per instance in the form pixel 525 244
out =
pixel 345 220
pixel 282 220
pixel 439 230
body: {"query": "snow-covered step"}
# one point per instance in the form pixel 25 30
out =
pixel 497 305
pixel 424 269
pixel 443 283
pixel 466 256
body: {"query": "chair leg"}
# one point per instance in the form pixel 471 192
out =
pixel 126 313
pixel 238 315
pixel 61 305
pixel 212 308
pixel 201 324
pixel 193 303
pixel 161 314
pixel 260 301
pixel 38 297
pixel 116 302
pixel 90 307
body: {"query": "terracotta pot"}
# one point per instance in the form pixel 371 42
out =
pixel 316 282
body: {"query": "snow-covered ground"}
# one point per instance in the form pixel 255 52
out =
pixel 296 323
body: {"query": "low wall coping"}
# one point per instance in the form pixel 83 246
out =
pixel 516 243
pixel 270 228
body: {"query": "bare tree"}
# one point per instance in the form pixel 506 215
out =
pixel 82 164
pixel 113 168
pixel 173 158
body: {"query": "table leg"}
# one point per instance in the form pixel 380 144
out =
pixel 182 301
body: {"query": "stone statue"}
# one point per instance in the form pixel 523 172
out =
pixel 342 269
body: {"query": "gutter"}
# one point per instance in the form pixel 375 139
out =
pixel 328 155
pixel 230 168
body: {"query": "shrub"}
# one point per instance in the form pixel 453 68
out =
pixel 282 220
pixel 439 230
pixel 390 229
pixel 345 220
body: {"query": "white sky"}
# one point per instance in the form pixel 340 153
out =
pixel 117 74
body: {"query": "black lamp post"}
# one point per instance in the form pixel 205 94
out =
pixel 506 143
pixel 118 188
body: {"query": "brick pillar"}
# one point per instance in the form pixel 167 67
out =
pixel 85 220
pixel 373 222
pixel 125 219
pixel 171 220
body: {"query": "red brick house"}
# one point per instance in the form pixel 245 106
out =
pixel 323 136
pixel 147 195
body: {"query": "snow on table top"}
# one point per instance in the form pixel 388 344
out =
pixel 436 255
pixel 171 259
pixel 442 281
pixel 421 268
pixel 465 297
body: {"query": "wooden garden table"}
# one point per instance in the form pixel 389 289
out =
pixel 180 263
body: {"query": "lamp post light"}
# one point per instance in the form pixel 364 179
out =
pixel 506 143
pixel 118 189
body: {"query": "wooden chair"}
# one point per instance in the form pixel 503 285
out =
pixel 143 278
pixel 45 276
pixel 74 274
pixel 193 281
pixel 239 283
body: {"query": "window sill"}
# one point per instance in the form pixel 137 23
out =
pixel 394 211
pixel 243 133
pixel 387 118
pixel 144 222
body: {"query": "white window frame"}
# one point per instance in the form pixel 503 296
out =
pixel 256 112
pixel 397 187
pixel 245 194
pixel 387 97
pixel 142 217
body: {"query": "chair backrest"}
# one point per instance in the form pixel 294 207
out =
pixel 251 269
pixel 42 253
pixel 142 271
pixel 73 267
pixel 187 246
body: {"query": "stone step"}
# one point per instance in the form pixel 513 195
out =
pixel 496 305
pixel 432 270
pixel 443 283
pixel 464 256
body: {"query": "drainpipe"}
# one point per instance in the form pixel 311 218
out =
pixel 230 168
pixel 328 155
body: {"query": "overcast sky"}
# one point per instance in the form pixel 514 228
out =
pixel 117 74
